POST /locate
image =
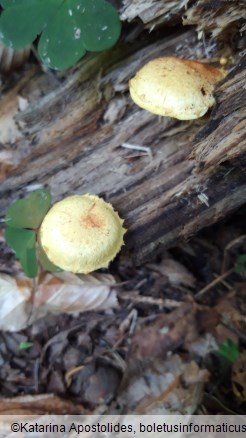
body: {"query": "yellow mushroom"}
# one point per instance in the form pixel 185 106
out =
pixel 82 233
pixel 180 88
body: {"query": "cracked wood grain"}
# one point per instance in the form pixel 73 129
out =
pixel 70 145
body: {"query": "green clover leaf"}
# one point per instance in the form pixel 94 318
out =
pixel 23 20
pixel 68 28
pixel 23 243
pixel 23 218
pixel 30 211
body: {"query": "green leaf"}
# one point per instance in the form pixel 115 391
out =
pixel 70 27
pixel 25 345
pixel 22 20
pixel 23 242
pixel 30 211
pixel 229 350
pixel 44 260
pixel 101 25
pixel 241 264
pixel 29 263
pixel 60 45
pixel 78 26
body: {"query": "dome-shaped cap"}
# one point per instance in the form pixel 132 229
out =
pixel 180 88
pixel 82 233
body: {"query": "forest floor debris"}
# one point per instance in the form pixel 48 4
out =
pixel 164 347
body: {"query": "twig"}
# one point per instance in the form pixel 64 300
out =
pixel 33 291
pixel 132 296
pixel 69 374
pixel 138 147
pixel 228 247
pixel 227 285
pixel 128 323
pixel 214 282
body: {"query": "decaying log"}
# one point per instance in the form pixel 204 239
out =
pixel 221 19
pixel 153 12
pixel 70 137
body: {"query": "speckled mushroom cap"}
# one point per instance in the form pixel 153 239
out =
pixel 82 233
pixel 180 88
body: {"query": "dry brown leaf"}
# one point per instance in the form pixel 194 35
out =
pixel 176 273
pixel 208 319
pixel 193 374
pixel 163 388
pixel 60 293
pixel 223 334
pixel 166 333
pixel 230 315
pixel 39 404
pixel 239 377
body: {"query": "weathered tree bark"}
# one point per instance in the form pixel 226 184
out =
pixel 70 138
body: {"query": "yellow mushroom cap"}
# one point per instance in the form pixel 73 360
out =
pixel 180 88
pixel 82 233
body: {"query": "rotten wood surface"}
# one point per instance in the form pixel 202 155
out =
pixel 221 19
pixel 70 137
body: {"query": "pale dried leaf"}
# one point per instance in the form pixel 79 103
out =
pixel 151 382
pixel 13 303
pixel 60 293
pixel 163 388
pixel 66 292
pixel 203 346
